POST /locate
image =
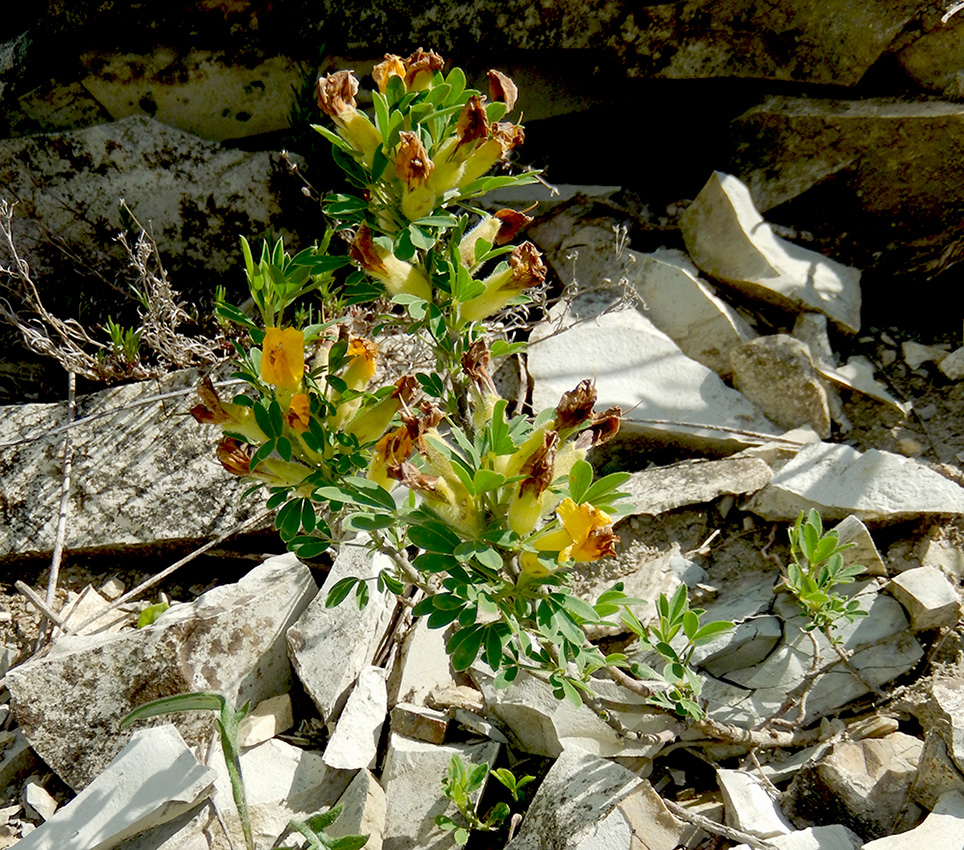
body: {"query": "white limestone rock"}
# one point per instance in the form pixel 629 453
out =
pixel 749 807
pixel 864 785
pixel 776 374
pixel 146 500
pixel 851 530
pixel 729 240
pixel 420 723
pixel 834 837
pixel 354 743
pixel 640 369
pixel 196 195
pixel 153 779
pixel 837 481
pixel 539 723
pixel 412 777
pixel 421 666
pixel 942 829
pixel 930 600
pixel 668 288
pixel 916 355
pixel 329 647
pixel 953 365
pixel 37 800
pixel 281 782
pixel 231 641
pixel 364 811
pixel 267 719
pixel 694 482
pixel 936 773
pixel 574 803
pixel 211 95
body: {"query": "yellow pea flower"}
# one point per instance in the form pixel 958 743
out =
pixel 283 357
pixel 586 535
pixel 299 412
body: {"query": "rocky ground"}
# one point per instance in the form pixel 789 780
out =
pixel 766 289
pixel 867 750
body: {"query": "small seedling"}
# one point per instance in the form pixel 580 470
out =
pixel 227 725
pixel 817 567
pixel 683 684
pixel 459 786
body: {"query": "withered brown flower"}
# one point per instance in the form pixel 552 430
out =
pixel 502 88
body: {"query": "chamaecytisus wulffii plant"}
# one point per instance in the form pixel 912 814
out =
pixel 499 506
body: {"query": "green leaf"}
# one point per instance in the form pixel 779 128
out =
pixel 487 479
pixel 340 590
pixel 691 624
pixel 151 613
pixel 200 701
pixel 367 522
pixel 502 348
pixel 346 842
pixel 434 537
pixel 463 647
pixel 710 631
pixel 321 821
pixel 580 477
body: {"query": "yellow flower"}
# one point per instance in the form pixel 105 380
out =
pixel 283 357
pixel 525 269
pixel 363 355
pixel 391 451
pixel 586 535
pixel 299 412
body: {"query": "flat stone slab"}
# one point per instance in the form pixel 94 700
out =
pixel 152 780
pixel 729 240
pixel 412 777
pixel 230 640
pixel 694 482
pixel 164 485
pixel 665 395
pixel 929 598
pixel 837 481
pixel 579 791
pixel 329 647
pixel 942 829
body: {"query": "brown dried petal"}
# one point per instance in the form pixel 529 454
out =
pixel 413 478
pixel 419 64
pixel 502 88
pixel 336 93
pixel 473 122
pixel 539 466
pixel 511 223
pixel 575 406
pixel 602 542
pixel 605 425
pixel 527 266
pixel 364 252
pixel 405 388
pixel 234 456
pixel 475 361
pixel 412 163
pixel 508 136
pixel 210 411
pixel 425 420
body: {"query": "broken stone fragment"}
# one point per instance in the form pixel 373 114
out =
pixel 152 780
pixel 364 811
pixel 776 374
pixel 354 743
pixel 864 785
pixel 37 800
pixel 539 723
pixel 135 487
pixel 916 355
pixel 942 829
pixel 814 838
pixel 729 240
pixel 578 793
pixel 936 773
pixel 863 551
pixel 230 641
pixel 837 480
pixel 667 396
pixel 411 777
pixel 749 807
pixel 953 365
pixel 930 600
pixel 421 666
pixel 267 719
pixel 693 482
pixel 419 723
pixel 329 647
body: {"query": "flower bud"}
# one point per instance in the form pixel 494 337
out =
pixel 396 275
